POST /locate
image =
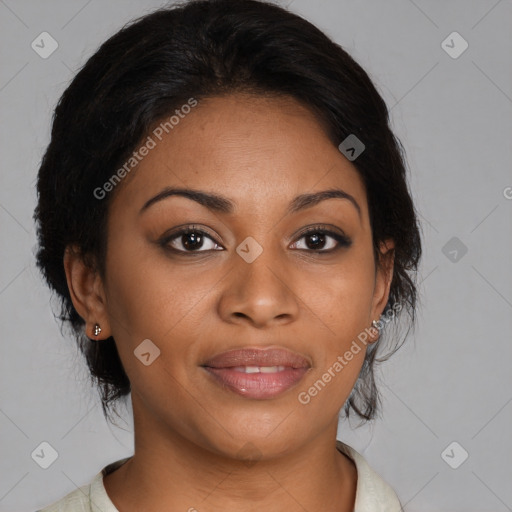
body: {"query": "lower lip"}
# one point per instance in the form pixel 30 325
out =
pixel 258 385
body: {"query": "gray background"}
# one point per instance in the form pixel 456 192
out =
pixel 450 382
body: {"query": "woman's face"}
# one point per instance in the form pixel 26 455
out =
pixel 252 280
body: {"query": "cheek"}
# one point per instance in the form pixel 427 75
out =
pixel 151 297
pixel 345 297
pixel 343 303
pixel 147 301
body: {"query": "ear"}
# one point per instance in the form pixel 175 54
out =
pixel 87 292
pixel 383 278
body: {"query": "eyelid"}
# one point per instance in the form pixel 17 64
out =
pixel 325 228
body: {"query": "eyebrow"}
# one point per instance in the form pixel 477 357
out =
pixel 221 204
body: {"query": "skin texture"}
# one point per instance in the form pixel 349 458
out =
pixel 192 437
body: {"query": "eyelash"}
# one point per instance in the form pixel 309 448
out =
pixel 343 240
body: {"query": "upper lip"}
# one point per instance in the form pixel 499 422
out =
pixel 257 357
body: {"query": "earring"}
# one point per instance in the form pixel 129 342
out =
pixel 97 329
pixel 375 325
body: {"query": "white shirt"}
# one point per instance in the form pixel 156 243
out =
pixel 373 494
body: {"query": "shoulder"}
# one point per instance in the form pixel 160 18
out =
pixel 75 501
pixel 91 497
pixel 373 493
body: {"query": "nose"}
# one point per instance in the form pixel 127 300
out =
pixel 259 293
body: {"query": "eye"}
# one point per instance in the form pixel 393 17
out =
pixel 190 239
pixel 193 240
pixel 321 240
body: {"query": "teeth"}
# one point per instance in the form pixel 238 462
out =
pixel 259 369
pixel 271 369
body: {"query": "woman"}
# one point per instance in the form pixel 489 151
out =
pixel 223 211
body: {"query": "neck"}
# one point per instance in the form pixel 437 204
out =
pixel 168 469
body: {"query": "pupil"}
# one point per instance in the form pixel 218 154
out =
pixel 192 241
pixel 318 240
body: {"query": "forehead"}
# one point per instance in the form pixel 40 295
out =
pixel 250 148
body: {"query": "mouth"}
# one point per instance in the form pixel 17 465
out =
pixel 257 373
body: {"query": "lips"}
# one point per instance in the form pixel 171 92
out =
pixel 257 357
pixel 257 373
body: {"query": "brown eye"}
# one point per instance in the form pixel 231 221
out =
pixel 190 240
pixel 316 241
pixel 322 240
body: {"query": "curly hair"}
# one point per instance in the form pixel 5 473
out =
pixel 200 49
